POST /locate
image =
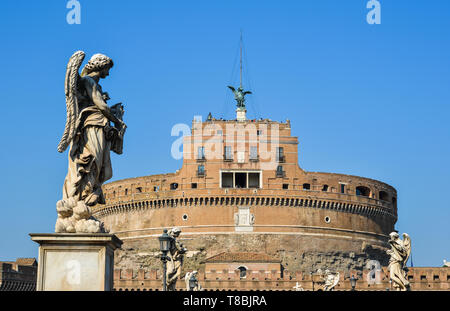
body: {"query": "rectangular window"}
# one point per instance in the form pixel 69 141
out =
pixel 258 132
pixel 201 170
pixel 280 172
pixel 342 188
pixel 253 152
pixel 285 186
pixel 227 153
pixel 253 180
pixel 219 132
pixel 280 154
pixel 240 180
pixel 227 180
pixel 201 153
pixel 194 185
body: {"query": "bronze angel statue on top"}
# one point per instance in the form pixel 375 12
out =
pixel 399 252
pixel 239 95
pixel 92 130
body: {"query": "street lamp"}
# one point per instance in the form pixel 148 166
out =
pixel 312 279
pixel 353 282
pixel 164 245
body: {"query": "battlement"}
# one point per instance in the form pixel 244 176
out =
pixel 421 278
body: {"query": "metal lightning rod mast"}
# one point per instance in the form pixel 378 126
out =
pixel 241 58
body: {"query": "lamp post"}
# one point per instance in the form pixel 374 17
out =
pixel 312 279
pixel 164 245
pixel 353 282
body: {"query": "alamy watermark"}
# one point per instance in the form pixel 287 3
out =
pixel 228 141
pixel 374 15
pixel 74 14
pixel 374 274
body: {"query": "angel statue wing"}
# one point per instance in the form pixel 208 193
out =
pixel 247 92
pixel 406 247
pixel 232 88
pixel 335 280
pixel 71 91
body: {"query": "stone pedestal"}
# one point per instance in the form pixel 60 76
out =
pixel 75 261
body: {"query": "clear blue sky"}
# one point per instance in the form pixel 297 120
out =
pixel 367 100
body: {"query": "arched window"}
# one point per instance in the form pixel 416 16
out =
pixel 243 272
pixel 363 191
pixel 384 196
pixel 325 188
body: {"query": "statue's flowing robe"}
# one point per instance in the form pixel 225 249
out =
pixel 89 155
pixel 174 264
pixel 398 254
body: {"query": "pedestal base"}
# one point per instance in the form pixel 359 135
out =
pixel 75 261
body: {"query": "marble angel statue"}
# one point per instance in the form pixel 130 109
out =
pixel 399 252
pixel 175 259
pixel 92 130
pixel 331 280
pixel 192 276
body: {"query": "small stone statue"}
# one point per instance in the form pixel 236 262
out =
pixel 331 280
pixel 239 95
pixel 399 252
pixel 91 136
pixel 175 259
pixel 446 263
pixel 192 276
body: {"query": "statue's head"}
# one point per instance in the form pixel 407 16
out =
pixel 98 63
pixel 393 235
pixel 175 232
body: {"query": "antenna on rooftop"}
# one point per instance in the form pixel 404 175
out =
pixel 239 94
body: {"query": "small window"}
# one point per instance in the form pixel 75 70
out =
pixel 325 188
pixel 423 277
pixel 435 277
pixel 285 186
pixel 139 189
pixel 194 185
pixel 253 180
pixel 240 180
pixel 280 154
pixel 173 186
pixel 227 153
pixel 259 132
pixel 219 132
pixel 363 191
pixel 201 153
pixel 227 180
pixel 126 191
pixel 327 219
pixel 201 170
pixel 280 172
pixel 342 188
pixel 384 196
pixel 306 187
pixel 185 217
pixel 156 188
pixel 242 272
